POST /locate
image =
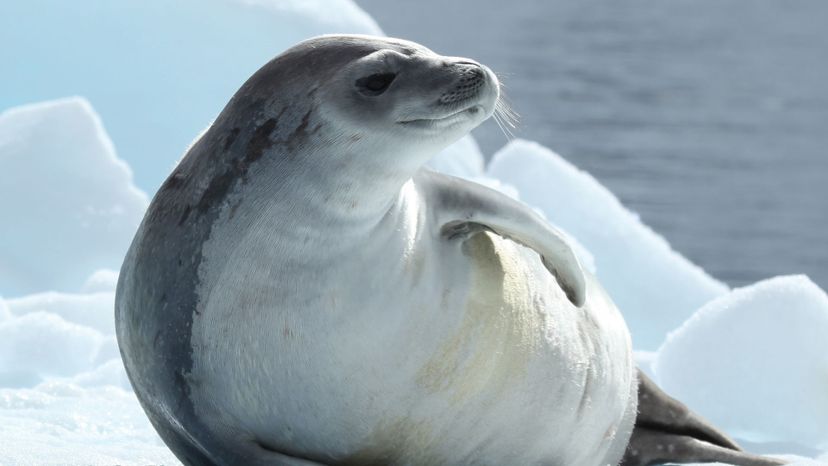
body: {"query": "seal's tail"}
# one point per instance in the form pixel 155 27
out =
pixel 666 431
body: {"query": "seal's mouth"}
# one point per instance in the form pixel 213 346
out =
pixel 451 118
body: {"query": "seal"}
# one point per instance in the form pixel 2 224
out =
pixel 302 291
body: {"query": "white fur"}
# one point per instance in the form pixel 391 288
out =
pixel 390 339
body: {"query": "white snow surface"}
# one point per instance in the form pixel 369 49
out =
pixel 67 201
pixel 69 423
pixel 755 362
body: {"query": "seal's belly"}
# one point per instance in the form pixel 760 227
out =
pixel 462 352
pixel 523 376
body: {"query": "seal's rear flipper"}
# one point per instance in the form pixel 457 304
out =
pixel 667 432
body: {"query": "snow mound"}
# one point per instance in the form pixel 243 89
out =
pixel 64 395
pixel 655 288
pixel 5 314
pixel 158 71
pixel 755 362
pixel 101 280
pixel 50 336
pixel 40 345
pixel 68 202
pixel 64 423
pixel 339 15
pixel 93 310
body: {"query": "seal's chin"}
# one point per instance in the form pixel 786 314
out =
pixel 466 114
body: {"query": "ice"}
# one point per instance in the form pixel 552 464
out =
pixel 109 373
pixel 93 310
pixel 655 288
pixel 64 395
pixel 158 71
pixel 339 15
pixel 67 202
pixel 4 310
pixel 40 345
pixel 50 335
pixel 64 423
pixel 645 360
pixel 755 362
pixel 100 280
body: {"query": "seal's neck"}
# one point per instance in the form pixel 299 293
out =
pixel 346 188
pixel 302 173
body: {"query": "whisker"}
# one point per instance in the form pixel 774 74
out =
pixel 498 118
pixel 502 74
pixel 500 125
pixel 508 117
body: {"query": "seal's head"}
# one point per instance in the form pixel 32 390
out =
pixel 377 94
pixel 352 116
pixel 406 91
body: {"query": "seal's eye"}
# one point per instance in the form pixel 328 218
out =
pixel 375 84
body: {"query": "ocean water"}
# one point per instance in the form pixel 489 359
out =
pixel 709 118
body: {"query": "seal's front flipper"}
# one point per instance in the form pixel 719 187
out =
pixel 667 432
pixel 463 208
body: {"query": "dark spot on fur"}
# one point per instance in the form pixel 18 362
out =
pixel 182 386
pixel 184 216
pixel 260 142
pixel 301 130
pixel 231 138
pixel 174 181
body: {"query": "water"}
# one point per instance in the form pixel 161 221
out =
pixel 707 117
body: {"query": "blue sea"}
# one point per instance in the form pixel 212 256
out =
pixel 708 118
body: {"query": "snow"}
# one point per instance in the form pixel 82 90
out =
pixel 64 394
pixel 69 201
pixel 755 362
pixel 65 423
pixel 163 70
pixel 5 314
pixel 655 287
pixel 25 357
pixel 93 310
pixel 102 280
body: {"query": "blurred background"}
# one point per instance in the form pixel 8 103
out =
pixel 709 118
